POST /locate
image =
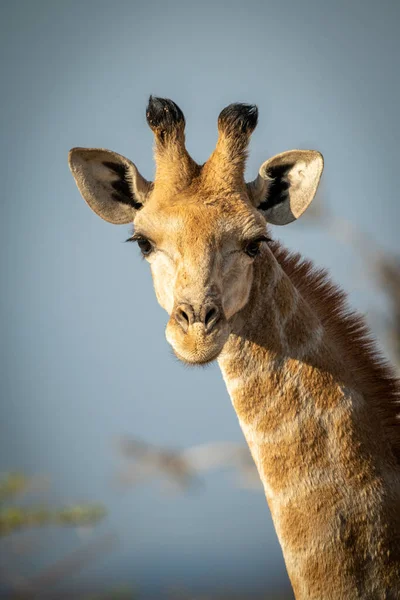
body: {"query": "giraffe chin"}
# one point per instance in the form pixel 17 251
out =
pixel 196 347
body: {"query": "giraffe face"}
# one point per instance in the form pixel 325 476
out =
pixel 201 257
pixel 201 228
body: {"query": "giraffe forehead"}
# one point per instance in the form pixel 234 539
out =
pixel 197 224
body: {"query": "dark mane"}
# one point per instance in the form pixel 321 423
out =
pixel 376 377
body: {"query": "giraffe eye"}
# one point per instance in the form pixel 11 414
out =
pixel 145 246
pixel 253 248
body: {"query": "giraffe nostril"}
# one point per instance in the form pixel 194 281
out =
pixel 211 317
pixel 184 316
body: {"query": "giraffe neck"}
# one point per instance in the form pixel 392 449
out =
pixel 329 475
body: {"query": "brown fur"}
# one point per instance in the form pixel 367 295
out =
pixel 375 377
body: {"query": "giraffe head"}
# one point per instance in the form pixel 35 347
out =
pixel 201 228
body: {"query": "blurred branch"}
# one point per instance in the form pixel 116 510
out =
pixel 389 279
pixel 183 467
pixel 65 567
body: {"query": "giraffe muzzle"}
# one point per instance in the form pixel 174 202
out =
pixel 208 315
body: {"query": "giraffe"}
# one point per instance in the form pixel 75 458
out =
pixel 316 402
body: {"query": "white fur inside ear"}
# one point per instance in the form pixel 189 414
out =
pixel 296 175
pixel 304 179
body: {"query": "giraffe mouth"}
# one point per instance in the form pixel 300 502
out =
pixel 196 346
pixel 197 362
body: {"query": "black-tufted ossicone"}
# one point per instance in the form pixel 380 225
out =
pixel 163 115
pixel 238 118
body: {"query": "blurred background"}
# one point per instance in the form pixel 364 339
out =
pixel 123 474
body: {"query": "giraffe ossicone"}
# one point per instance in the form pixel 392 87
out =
pixel 317 404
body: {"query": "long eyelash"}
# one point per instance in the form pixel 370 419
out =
pixel 263 238
pixel 134 238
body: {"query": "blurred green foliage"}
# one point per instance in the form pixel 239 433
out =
pixel 13 484
pixel 15 517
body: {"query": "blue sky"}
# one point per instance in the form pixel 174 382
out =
pixel 84 358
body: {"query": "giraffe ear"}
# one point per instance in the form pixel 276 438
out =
pixel 110 183
pixel 286 185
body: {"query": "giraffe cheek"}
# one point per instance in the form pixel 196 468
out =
pixel 236 293
pixel 164 298
pixel 163 287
